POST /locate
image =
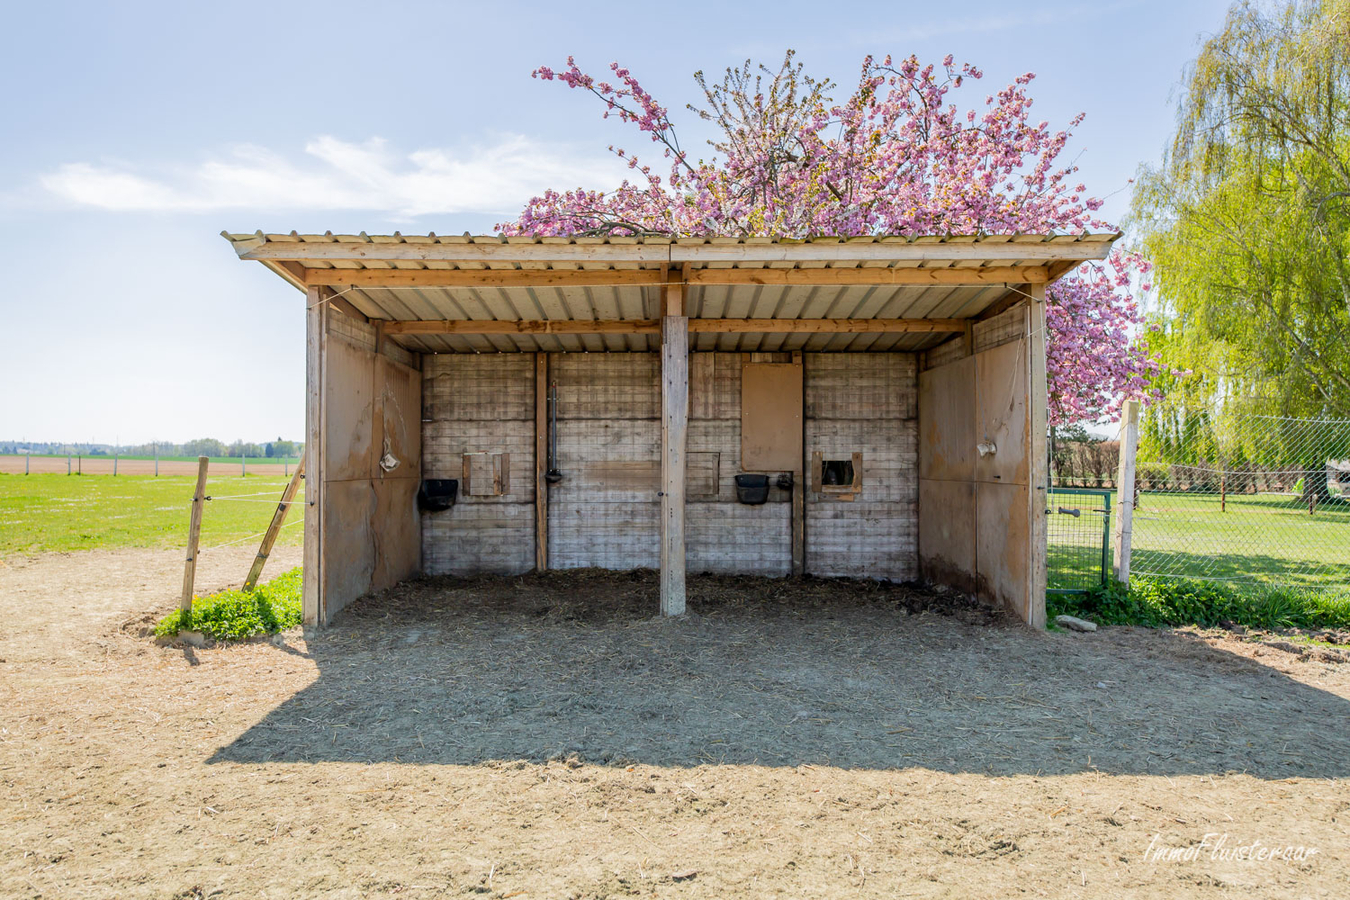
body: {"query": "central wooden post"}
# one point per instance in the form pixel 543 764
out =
pixel 674 429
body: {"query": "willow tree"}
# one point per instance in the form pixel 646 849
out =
pixel 1248 223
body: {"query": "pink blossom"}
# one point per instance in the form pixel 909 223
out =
pixel 899 156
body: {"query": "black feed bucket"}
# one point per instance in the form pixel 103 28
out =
pixel 438 494
pixel 752 489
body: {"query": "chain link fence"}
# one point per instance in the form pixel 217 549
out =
pixel 1243 497
pixel 1237 496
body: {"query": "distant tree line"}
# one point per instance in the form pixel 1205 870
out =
pixel 279 448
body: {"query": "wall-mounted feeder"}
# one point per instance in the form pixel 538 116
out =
pixel 752 489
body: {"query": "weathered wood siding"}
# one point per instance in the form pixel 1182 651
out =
pixel 723 535
pixel 864 403
pixel 605 510
pixel 974 530
pixel 372 406
pixel 479 404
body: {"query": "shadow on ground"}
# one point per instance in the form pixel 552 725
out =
pixel 780 673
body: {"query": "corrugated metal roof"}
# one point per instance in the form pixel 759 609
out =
pixel 297 256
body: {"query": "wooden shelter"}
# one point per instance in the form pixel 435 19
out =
pixel 891 389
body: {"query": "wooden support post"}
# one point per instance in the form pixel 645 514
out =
pixel 194 535
pixel 114 465
pixel 674 430
pixel 1223 490
pixel 799 485
pixel 243 466
pixel 274 528
pixel 1124 532
pixel 541 461
pixel 316 341
pixel 1038 456
pixel 67 463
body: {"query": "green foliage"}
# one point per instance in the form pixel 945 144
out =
pixel 1248 221
pixel 235 615
pixel 1157 602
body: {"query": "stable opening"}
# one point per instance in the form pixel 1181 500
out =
pixel 837 472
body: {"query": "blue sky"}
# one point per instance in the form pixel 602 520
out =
pixel 135 132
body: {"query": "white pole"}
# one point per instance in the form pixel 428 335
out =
pixel 243 466
pixel 1129 445
pixel 156 460
pixel 67 463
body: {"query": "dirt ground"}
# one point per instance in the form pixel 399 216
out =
pixel 548 738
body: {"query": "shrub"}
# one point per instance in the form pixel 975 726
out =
pixel 1155 602
pixel 235 615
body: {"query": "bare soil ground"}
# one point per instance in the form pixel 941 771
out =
pixel 548 738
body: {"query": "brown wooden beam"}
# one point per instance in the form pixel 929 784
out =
pixel 500 326
pixel 395 278
pixel 342 304
pixel 523 278
pixel 824 326
pixel 877 276
pixel 1016 294
pixel 696 326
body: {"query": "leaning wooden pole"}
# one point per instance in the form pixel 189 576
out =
pixel 274 529
pixel 194 535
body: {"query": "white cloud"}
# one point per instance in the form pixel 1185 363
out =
pixel 333 174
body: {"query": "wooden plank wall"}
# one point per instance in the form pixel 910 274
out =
pixel 982 541
pixel 723 535
pixel 372 395
pixel 867 403
pixel 475 403
pixel 605 511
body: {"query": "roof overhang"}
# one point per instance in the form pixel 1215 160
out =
pixel 485 293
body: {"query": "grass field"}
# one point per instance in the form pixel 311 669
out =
pixel 1268 538
pixel 215 460
pixel 43 513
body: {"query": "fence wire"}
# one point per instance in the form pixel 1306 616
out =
pixel 1243 497
pixel 1078 538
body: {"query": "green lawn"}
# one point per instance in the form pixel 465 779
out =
pixel 215 460
pixel 41 513
pixel 1266 538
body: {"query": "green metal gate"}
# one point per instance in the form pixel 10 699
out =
pixel 1078 539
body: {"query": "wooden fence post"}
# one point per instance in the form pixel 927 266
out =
pixel 274 529
pixel 1129 445
pixel 194 534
